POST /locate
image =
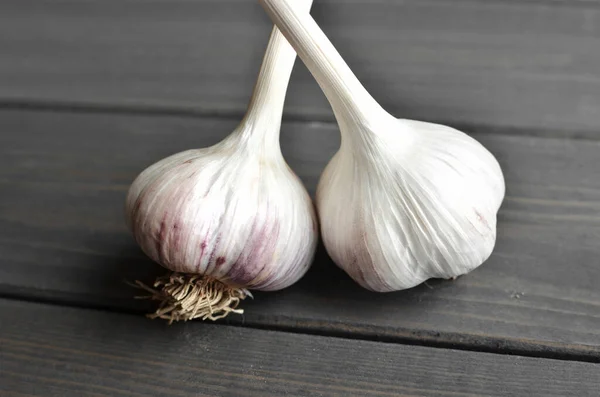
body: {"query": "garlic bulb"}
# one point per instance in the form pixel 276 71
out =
pixel 401 201
pixel 230 217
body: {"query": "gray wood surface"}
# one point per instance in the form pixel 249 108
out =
pixel 530 66
pixel 52 351
pixel 64 176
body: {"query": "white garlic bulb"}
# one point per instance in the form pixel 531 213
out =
pixel 230 217
pixel 233 212
pixel 401 201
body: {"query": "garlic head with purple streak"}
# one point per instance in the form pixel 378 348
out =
pixel 228 212
pixel 228 218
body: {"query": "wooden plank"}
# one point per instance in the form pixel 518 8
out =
pixel 62 236
pixel 54 351
pixel 532 64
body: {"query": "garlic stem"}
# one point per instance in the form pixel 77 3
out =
pixel 347 96
pixel 266 103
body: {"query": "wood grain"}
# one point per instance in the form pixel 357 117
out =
pixel 52 351
pixel 529 66
pixel 64 177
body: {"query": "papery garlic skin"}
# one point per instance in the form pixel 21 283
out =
pixel 230 212
pixel 417 201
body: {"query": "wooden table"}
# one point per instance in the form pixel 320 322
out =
pixel 92 92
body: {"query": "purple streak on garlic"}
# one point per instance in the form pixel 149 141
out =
pixel 235 211
pixel 402 200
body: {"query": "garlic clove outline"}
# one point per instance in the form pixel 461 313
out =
pixel 230 217
pixel 402 201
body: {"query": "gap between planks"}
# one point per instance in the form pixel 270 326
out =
pixel 162 110
pixel 443 340
pixel 110 354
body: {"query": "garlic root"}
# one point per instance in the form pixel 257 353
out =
pixel 185 297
